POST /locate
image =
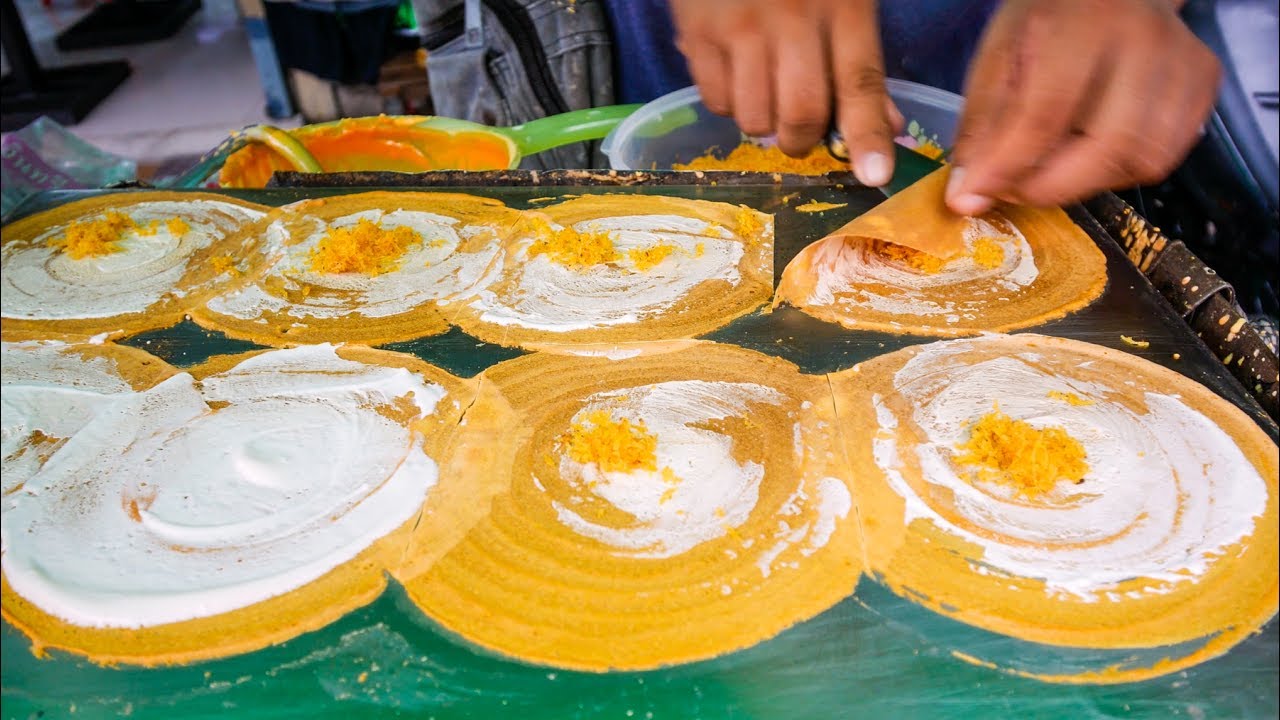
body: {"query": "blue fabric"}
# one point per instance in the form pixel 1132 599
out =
pixel 346 42
pixel 927 41
pixel 932 41
pixel 646 63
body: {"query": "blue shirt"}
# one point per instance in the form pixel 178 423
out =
pixel 927 41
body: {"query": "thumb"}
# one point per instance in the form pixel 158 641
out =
pixel 988 87
pixel 860 97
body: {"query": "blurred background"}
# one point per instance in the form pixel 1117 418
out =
pixel 220 68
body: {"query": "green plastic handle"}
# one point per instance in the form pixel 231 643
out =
pixel 566 128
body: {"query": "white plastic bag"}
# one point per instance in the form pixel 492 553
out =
pixel 46 156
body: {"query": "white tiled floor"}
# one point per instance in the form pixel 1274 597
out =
pixel 186 93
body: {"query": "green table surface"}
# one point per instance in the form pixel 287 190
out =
pixel 873 655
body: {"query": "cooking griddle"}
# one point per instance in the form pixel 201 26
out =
pixel 872 655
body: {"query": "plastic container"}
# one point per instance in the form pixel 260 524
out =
pixel 677 127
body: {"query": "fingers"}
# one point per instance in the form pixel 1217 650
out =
pixel 897 123
pixel 860 97
pixel 1109 150
pixel 710 71
pixel 1138 132
pixel 976 125
pixel 699 36
pixel 1062 104
pixel 770 64
pixel 802 83
pixel 1046 90
pixel 752 89
pixel 990 82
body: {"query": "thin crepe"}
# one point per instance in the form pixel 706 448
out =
pixel 916 218
pixel 1019 267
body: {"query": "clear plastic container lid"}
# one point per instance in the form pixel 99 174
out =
pixel 677 127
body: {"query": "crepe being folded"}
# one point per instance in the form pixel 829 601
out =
pixel 910 265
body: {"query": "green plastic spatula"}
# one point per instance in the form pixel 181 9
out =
pixel 545 133
pixel 406 143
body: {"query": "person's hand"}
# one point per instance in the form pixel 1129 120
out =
pixel 1067 98
pixel 784 66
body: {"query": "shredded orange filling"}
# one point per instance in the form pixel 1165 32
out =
pixel 613 445
pixel 1069 398
pixel 749 222
pixel 672 481
pixel 754 158
pixel 1141 344
pixel 224 264
pixel 646 258
pixel 1014 453
pixel 929 148
pixel 365 248
pixel 813 206
pixel 94 238
pixel 924 262
pixel 177 227
pixel 572 248
pixel 988 253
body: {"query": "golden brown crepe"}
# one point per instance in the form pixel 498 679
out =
pixel 1169 537
pixel 624 268
pixel 916 218
pixel 628 501
pixel 121 263
pixel 299 606
pixel 370 268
